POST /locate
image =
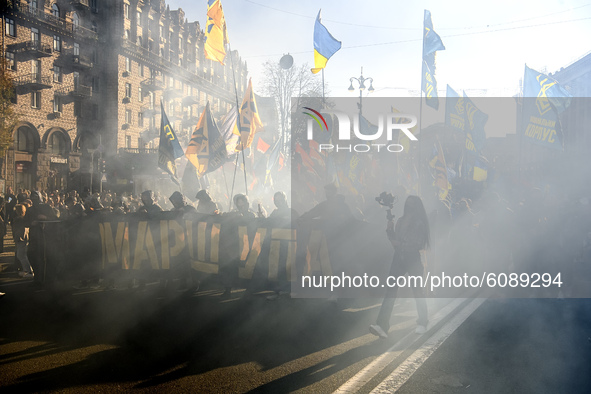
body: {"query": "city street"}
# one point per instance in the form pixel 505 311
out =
pixel 92 340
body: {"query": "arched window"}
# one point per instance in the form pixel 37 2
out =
pixel 75 21
pixel 55 10
pixel 57 144
pixel 24 140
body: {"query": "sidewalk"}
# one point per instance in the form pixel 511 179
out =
pixel 8 271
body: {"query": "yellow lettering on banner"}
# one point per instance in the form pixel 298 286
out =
pixel 243 242
pixel 164 244
pixel 117 249
pixel 144 247
pixel 317 257
pixel 469 144
pixel 278 235
pixel 179 238
pixel 248 269
pixel 551 137
pixel 199 264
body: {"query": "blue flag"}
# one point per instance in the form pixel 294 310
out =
pixel 325 45
pixel 544 99
pixel 474 122
pixel 431 44
pixel 454 110
pixel 169 148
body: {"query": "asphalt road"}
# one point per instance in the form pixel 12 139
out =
pixel 92 340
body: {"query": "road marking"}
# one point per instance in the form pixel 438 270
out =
pixel 405 370
pixel 354 384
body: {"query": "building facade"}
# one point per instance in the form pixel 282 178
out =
pixel 91 77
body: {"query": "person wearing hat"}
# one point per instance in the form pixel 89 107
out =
pixel 206 205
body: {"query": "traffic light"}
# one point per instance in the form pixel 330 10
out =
pixel 102 164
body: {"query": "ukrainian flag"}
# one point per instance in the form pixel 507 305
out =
pixel 325 45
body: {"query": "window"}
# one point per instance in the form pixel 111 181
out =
pixel 24 140
pixel 180 44
pixel 127 64
pixel 139 18
pixel 128 116
pixel 151 100
pixel 140 119
pixel 57 74
pixel 171 108
pixel 57 104
pixel 126 10
pixel 150 24
pixel 34 5
pixel 128 90
pixel 95 84
pixel 10 61
pixel 128 141
pixel 76 78
pixel 140 96
pixel 161 33
pixel 36 67
pixel 35 36
pixel 57 43
pixel 78 109
pixel 55 10
pixel 76 49
pixel 75 21
pixel 36 100
pixel 9 28
pixel 141 71
pixel 94 6
pixel 126 35
pixel 57 144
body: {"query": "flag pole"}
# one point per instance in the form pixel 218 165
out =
pixel 238 124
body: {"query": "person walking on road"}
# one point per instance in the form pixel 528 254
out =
pixel 409 237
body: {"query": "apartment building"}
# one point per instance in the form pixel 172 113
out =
pixel 90 77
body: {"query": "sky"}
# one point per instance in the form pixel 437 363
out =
pixel 487 43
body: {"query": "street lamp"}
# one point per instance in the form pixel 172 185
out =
pixel 361 80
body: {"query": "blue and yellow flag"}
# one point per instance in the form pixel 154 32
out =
pixel 169 148
pixel 216 35
pixel 325 45
pixel 544 99
pixel 207 148
pixel 474 122
pixel 431 44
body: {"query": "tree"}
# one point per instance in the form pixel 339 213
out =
pixel 8 114
pixel 283 84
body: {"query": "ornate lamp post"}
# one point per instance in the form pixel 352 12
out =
pixel 361 80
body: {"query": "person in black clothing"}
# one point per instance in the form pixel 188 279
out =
pixel 34 218
pixel 409 237
pixel 180 204
pixel 149 207
pixel 10 204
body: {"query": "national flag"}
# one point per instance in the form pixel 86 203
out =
pixel 325 45
pixel 227 130
pixel 169 148
pixel 440 172
pixel 216 35
pixel 207 148
pixel 474 122
pixel 454 110
pixel 541 112
pixel 262 146
pixel 249 121
pixel 431 44
pixel 480 172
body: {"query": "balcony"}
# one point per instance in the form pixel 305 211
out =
pixel 172 93
pixel 31 50
pixel 138 151
pixel 39 14
pixel 149 112
pixel 189 121
pixel 80 4
pixel 149 134
pixel 34 81
pixel 190 100
pixel 152 84
pixel 80 91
